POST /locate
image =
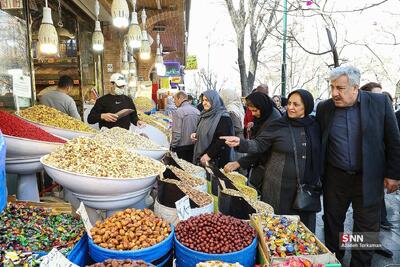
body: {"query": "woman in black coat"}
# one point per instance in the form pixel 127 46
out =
pixel 264 112
pixel 215 121
pixel 280 182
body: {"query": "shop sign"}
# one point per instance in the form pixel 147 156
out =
pixel 176 79
pixel 11 4
pixel 191 62
pixel 22 86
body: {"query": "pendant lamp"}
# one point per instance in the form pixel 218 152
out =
pixel 97 37
pixel 134 33
pixel 48 38
pixel 132 66
pixel 159 57
pixel 145 48
pixel 125 62
pixel 120 13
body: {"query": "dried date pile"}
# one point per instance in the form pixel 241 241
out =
pixel 130 229
pixel 86 156
pixel 121 263
pixel 214 233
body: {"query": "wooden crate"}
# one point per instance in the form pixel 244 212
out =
pixel 326 257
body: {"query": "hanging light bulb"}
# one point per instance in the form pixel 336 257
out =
pixel 97 37
pixel 159 58
pixel 132 65
pixel 134 33
pixel 120 13
pixel 161 70
pixel 48 38
pixel 145 48
pixel 125 62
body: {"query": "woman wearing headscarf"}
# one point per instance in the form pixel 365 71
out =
pixel 280 180
pixel 264 112
pixel 214 122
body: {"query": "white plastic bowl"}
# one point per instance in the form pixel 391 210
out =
pixel 18 147
pixel 68 134
pixel 153 133
pixel 114 202
pixel 23 165
pixel 95 186
pixel 156 154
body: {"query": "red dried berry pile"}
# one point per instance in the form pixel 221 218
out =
pixel 214 233
pixel 14 126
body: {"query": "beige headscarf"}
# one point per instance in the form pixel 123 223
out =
pixel 233 103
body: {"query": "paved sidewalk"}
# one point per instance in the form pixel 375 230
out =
pixel 390 239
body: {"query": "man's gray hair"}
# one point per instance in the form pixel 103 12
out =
pixel 352 73
pixel 181 94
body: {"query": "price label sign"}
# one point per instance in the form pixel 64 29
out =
pixel 22 86
pixel 183 208
pixel 85 218
pixel 56 259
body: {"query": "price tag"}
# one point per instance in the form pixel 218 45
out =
pixel 85 218
pixel 56 259
pixel 22 86
pixel 183 208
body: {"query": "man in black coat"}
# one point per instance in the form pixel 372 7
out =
pixel 361 155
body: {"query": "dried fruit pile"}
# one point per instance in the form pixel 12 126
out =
pixel 86 156
pixel 52 117
pixel 217 264
pixel 24 228
pixel 14 126
pixel 144 103
pixel 123 138
pixel 214 233
pixel 130 230
pixel 121 263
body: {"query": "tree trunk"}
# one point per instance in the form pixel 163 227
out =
pixel 242 66
pixel 252 66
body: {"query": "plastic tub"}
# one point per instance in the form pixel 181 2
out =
pixel 3 185
pixel 156 254
pixel 186 257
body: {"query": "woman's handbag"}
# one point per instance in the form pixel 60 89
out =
pixel 307 196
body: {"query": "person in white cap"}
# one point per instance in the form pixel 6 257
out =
pixel 115 109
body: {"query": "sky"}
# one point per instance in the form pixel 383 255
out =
pixel 212 40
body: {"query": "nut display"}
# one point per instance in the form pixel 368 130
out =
pixel 123 138
pixel 286 237
pixel 144 103
pixel 159 124
pixel 200 198
pixel 235 177
pixel 186 177
pixel 232 192
pixel 24 228
pixel 217 264
pixel 214 233
pixel 247 191
pixel 189 167
pixel 52 117
pixel 86 156
pixel 121 263
pixel 258 205
pixel 130 229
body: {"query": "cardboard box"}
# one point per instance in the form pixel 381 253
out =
pixel 325 258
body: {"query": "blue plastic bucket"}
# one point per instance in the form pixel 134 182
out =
pixel 156 254
pixel 79 254
pixel 186 257
pixel 3 184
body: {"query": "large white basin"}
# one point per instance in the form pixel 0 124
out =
pixel 153 133
pixel 26 168
pixel 95 186
pixel 156 154
pixel 18 147
pixel 115 202
pixel 68 134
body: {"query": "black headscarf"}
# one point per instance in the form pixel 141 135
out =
pixel 313 156
pixel 265 104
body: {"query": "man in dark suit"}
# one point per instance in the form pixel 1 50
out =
pixel 361 155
